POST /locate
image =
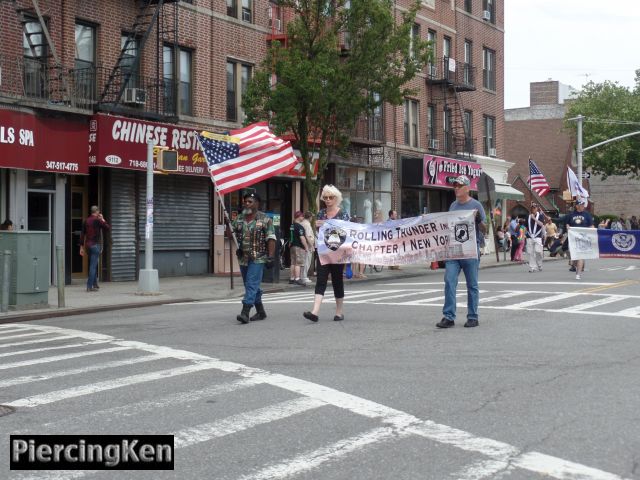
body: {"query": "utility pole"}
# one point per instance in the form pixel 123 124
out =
pixel 148 283
pixel 579 151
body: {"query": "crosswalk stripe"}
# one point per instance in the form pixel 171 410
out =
pixel 632 312
pixel 559 468
pixel 502 296
pixel 20 335
pixel 59 347
pixel 57 358
pixel 67 393
pixel 11 329
pixel 538 301
pixel 243 421
pixel 391 297
pixel 592 304
pixel 483 469
pixel 310 460
pixel 39 340
pixel 75 371
pixel 133 409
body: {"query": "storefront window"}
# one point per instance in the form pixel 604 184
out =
pixel 366 194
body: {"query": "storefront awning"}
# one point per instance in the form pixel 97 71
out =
pixel 507 191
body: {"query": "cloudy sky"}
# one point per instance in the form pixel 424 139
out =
pixel 572 41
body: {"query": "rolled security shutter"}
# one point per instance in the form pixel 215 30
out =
pixel 181 213
pixel 123 225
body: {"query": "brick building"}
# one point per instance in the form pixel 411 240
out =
pixel 106 77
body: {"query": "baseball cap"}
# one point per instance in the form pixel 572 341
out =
pixel 252 195
pixel 462 180
pixel 299 213
pixel 582 201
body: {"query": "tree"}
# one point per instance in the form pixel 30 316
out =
pixel 321 89
pixel 611 110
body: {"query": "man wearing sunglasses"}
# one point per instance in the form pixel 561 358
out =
pixel 256 247
pixel 469 266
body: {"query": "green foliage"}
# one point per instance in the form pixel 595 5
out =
pixel 321 89
pixel 599 102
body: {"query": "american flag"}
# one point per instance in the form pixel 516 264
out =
pixel 246 156
pixel 537 181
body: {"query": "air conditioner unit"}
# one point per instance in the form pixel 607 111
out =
pixel 434 144
pixel 492 152
pixel 135 96
pixel 276 24
pixel 486 15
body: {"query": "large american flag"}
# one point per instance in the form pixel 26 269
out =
pixel 246 156
pixel 537 181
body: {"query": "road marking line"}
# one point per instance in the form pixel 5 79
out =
pixel 391 297
pixel 633 311
pixel 107 415
pixel 59 347
pixel 11 329
pixel 73 392
pixel 607 287
pixel 311 460
pixel 594 303
pixel 75 371
pixel 538 301
pixel 243 421
pixel 20 335
pixel 502 296
pixel 483 469
pixel 40 340
pixel 36 361
pixel 559 468
pixel 491 282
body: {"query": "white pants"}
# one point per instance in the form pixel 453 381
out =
pixel 534 251
pixel 304 275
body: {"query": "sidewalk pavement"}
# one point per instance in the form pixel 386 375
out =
pixel 123 295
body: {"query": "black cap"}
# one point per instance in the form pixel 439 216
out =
pixel 252 195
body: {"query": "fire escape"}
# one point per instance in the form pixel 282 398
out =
pixel 446 80
pixel 125 90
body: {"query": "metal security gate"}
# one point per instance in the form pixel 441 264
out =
pixel 123 225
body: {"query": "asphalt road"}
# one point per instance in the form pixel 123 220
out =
pixel 546 387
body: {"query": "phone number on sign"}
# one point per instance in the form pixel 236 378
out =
pixel 65 166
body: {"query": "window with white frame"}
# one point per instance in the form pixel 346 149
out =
pixel 489 69
pixel 489 6
pixel 411 122
pixel 489 135
pixel 415 38
pixel 431 128
pixel 241 10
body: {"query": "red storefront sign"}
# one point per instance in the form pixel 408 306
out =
pixel 31 142
pixel 121 142
pixel 441 171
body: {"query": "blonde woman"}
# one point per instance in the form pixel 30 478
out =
pixel 332 198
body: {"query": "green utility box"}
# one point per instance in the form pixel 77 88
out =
pixel 30 267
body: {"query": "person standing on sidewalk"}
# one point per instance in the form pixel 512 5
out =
pixel 256 247
pixel 393 215
pixel 332 198
pixel 299 248
pixel 579 218
pixel 91 243
pixel 469 266
pixel 535 233
pixel 311 243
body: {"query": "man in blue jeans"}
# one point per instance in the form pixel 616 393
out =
pixel 469 266
pixel 256 246
pixel 90 242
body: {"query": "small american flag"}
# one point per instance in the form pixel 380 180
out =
pixel 537 181
pixel 246 156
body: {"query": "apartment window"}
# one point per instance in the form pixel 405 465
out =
pixel 446 54
pixel 432 70
pixel 467 6
pixel 431 127
pixel 489 135
pixel 489 6
pixel 241 10
pixel 446 128
pixel 85 60
pixel 488 69
pixel 130 47
pixel 375 119
pixel 411 122
pixel 468 131
pixel 468 62
pixel 177 93
pixel 238 76
pixel 35 51
pixel 415 38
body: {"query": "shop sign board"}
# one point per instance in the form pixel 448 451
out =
pixel 47 144
pixel 121 142
pixel 441 171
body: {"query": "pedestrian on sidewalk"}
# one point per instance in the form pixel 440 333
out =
pixel 535 234
pixel 393 215
pixel 311 242
pixel 91 240
pixel 513 234
pixel 521 239
pixel 298 250
pixel 332 198
pixel 579 218
pixel 256 247
pixel 469 266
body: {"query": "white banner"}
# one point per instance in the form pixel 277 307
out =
pixel 436 236
pixel 583 243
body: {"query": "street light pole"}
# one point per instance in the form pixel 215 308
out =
pixel 579 151
pixel 148 283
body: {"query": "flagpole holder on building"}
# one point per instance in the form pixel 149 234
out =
pixel 148 282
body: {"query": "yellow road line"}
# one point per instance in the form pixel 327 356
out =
pixel 606 287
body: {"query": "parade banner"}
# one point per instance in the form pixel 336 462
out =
pixel 589 243
pixel 427 238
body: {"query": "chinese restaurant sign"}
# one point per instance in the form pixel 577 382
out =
pixel 122 143
pixel 441 171
pixel 46 144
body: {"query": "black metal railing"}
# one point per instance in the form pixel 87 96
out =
pixel 370 129
pixel 460 75
pixel 446 143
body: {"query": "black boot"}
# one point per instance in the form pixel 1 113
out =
pixel 260 313
pixel 244 315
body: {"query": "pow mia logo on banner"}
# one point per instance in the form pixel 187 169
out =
pixel 334 237
pixel 623 241
pixel 461 231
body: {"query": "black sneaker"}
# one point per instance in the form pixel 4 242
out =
pixel 572 269
pixel 471 323
pixel 445 323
